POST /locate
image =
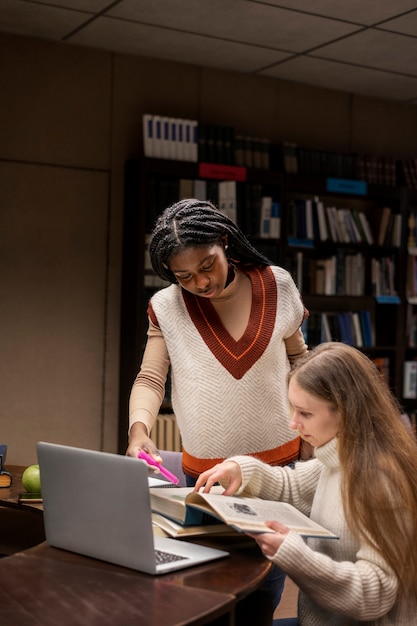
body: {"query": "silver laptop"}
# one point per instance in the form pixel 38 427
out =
pixel 97 504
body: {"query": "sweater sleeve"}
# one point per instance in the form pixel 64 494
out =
pixel 295 346
pixel 148 390
pixel 365 589
pixel 295 485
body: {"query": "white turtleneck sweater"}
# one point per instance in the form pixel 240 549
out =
pixel 341 582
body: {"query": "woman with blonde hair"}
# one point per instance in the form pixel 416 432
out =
pixel 362 485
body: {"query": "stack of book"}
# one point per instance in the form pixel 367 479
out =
pixel 183 512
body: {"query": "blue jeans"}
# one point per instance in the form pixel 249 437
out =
pixel 274 583
pixel 287 621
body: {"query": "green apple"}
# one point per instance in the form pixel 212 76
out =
pixel 31 479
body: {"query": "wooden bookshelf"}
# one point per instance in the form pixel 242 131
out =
pixel 152 184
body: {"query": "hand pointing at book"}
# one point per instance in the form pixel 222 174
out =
pixel 228 473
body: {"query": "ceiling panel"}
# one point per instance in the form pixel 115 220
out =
pixel 92 6
pixel 34 20
pixel 361 46
pixel 373 48
pixel 138 39
pixel 344 77
pixel 366 12
pixel 407 24
pixel 237 20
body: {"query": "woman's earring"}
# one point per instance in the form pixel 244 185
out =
pixel 225 247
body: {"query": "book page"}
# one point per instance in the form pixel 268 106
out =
pixel 251 513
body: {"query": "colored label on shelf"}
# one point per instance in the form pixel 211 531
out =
pixel 346 185
pixel 388 299
pixel 222 172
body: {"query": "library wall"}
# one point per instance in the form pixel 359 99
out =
pixel 70 118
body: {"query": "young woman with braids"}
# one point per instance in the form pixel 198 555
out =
pixel 362 485
pixel 229 328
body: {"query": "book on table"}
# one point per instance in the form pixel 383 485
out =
pixel 242 514
pixel 174 529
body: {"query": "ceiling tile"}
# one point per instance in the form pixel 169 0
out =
pixel 348 78
pixel 356 11
pixel 243 35
pixel 237 20
pixel 407 24
pixel 34 20
pixel 375 48
pixel 92 6
pixel 173 45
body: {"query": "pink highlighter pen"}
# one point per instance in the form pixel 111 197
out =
pixel 146 457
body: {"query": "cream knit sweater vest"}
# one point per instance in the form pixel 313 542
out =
pixel 218 414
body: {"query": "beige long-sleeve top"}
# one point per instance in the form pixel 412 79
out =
pixel 228 395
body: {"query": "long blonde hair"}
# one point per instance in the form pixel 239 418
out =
pixel 378 454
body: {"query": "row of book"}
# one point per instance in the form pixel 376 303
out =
pixel 351 327
pixel 339 274
pixel 412 230
pixel 151 280
pixel 411 327
pixel 408 173
pixel 186 140
pixel 342 274
pixel 219 144
pixel 255 208
pixel 410 380
pixel 377 170
pixel 383 276
pixel 252 152
pixel 309 219
pixel 296 160
pixel 216 144
pixel 170 138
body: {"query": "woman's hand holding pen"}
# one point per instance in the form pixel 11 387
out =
pixel 139 440
pixel 226 472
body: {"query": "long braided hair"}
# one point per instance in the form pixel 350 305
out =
pixel 192 223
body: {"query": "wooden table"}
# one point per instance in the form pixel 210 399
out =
pixel 45 586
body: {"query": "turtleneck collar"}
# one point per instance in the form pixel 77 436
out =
pixel 328 454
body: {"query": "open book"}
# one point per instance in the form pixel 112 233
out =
pixel 242 514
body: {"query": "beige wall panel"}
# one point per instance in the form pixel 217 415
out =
pixel 382 127
pixel 313 117
pixel 246 102
pixel 149 86
pixel 57 108
pixel 139 86
pixel 52 313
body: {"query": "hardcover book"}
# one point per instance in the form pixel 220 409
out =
pixel 242 514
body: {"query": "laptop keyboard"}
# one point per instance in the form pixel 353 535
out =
pixel 167 557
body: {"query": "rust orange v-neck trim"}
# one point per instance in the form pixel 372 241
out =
pixel 238 356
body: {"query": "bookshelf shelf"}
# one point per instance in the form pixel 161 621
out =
pixel 362 248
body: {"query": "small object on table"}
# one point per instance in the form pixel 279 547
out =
pixel 5 476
